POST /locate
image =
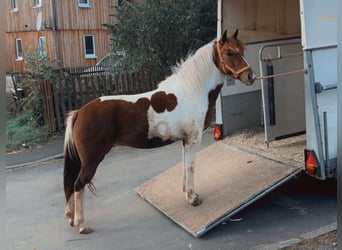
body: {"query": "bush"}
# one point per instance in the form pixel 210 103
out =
pixel 26 128
pixel 22 132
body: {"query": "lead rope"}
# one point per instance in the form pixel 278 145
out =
pixel 281 74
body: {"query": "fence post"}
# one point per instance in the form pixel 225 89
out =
pixel 110 85
pixel 49 114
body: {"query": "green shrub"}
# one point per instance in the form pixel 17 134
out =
pixel 26 128
pixel 22 132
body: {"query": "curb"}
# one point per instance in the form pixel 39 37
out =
pixel 310 235
pixel 34 163
pixel 40 161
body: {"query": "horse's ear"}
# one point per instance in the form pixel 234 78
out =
pixel 223 38
pixel 235 35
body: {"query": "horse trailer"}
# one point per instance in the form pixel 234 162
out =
pixel 296 41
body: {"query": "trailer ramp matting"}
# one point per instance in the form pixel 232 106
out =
pixel 227 179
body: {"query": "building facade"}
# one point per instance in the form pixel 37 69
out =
pixel 71 33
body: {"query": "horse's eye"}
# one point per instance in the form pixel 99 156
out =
pixel 230 54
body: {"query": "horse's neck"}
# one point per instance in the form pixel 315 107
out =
pixel 197 76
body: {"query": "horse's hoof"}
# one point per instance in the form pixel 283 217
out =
pixel 195 200
pixel 70 220
pixel 86 230
pixel 70 217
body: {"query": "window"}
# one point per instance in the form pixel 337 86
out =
pixel 84 3
pixel 18 49
pixel 37 3
pixel 89 46
pixel 42 46
pixel 14 5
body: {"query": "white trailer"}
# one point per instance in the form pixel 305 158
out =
pixel 298 38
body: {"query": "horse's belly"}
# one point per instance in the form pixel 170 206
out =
pixel 158 136
pixel 174 126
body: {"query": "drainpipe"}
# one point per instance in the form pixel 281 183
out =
pixel 219 18
pixel 218 105
pixel 54 31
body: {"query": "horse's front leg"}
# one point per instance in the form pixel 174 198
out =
pixel 189 155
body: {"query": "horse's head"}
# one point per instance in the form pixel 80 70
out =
pixel 230 60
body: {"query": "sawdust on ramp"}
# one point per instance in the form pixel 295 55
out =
pixel 226 178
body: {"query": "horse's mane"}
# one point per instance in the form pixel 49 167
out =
pixel 193 71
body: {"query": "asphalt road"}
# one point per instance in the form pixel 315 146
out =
pixel 122 220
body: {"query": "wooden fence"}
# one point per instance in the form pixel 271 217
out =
pixel 75 90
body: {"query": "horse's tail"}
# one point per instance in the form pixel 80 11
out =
pixel 72 163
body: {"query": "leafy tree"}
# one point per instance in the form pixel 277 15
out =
pixel 156 34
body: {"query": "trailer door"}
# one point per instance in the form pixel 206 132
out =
pixel 282 97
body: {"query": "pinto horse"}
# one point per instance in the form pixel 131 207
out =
pixel 180 108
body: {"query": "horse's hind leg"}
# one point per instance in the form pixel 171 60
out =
pixel 70 210
pixel 79 214
pixel 85 176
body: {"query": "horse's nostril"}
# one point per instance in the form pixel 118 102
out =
pixel 251 76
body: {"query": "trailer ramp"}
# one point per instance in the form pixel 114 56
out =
pixel 227 178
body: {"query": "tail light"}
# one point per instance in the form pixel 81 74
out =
pixel 311 162
pixel 217 132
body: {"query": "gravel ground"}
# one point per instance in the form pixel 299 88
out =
pixel 326 241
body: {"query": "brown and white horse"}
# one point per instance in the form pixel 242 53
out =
pixel 179 109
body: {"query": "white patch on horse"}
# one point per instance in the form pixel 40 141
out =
pixel 161 130
pixel 128 98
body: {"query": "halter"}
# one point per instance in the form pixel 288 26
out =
pixel 226 69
